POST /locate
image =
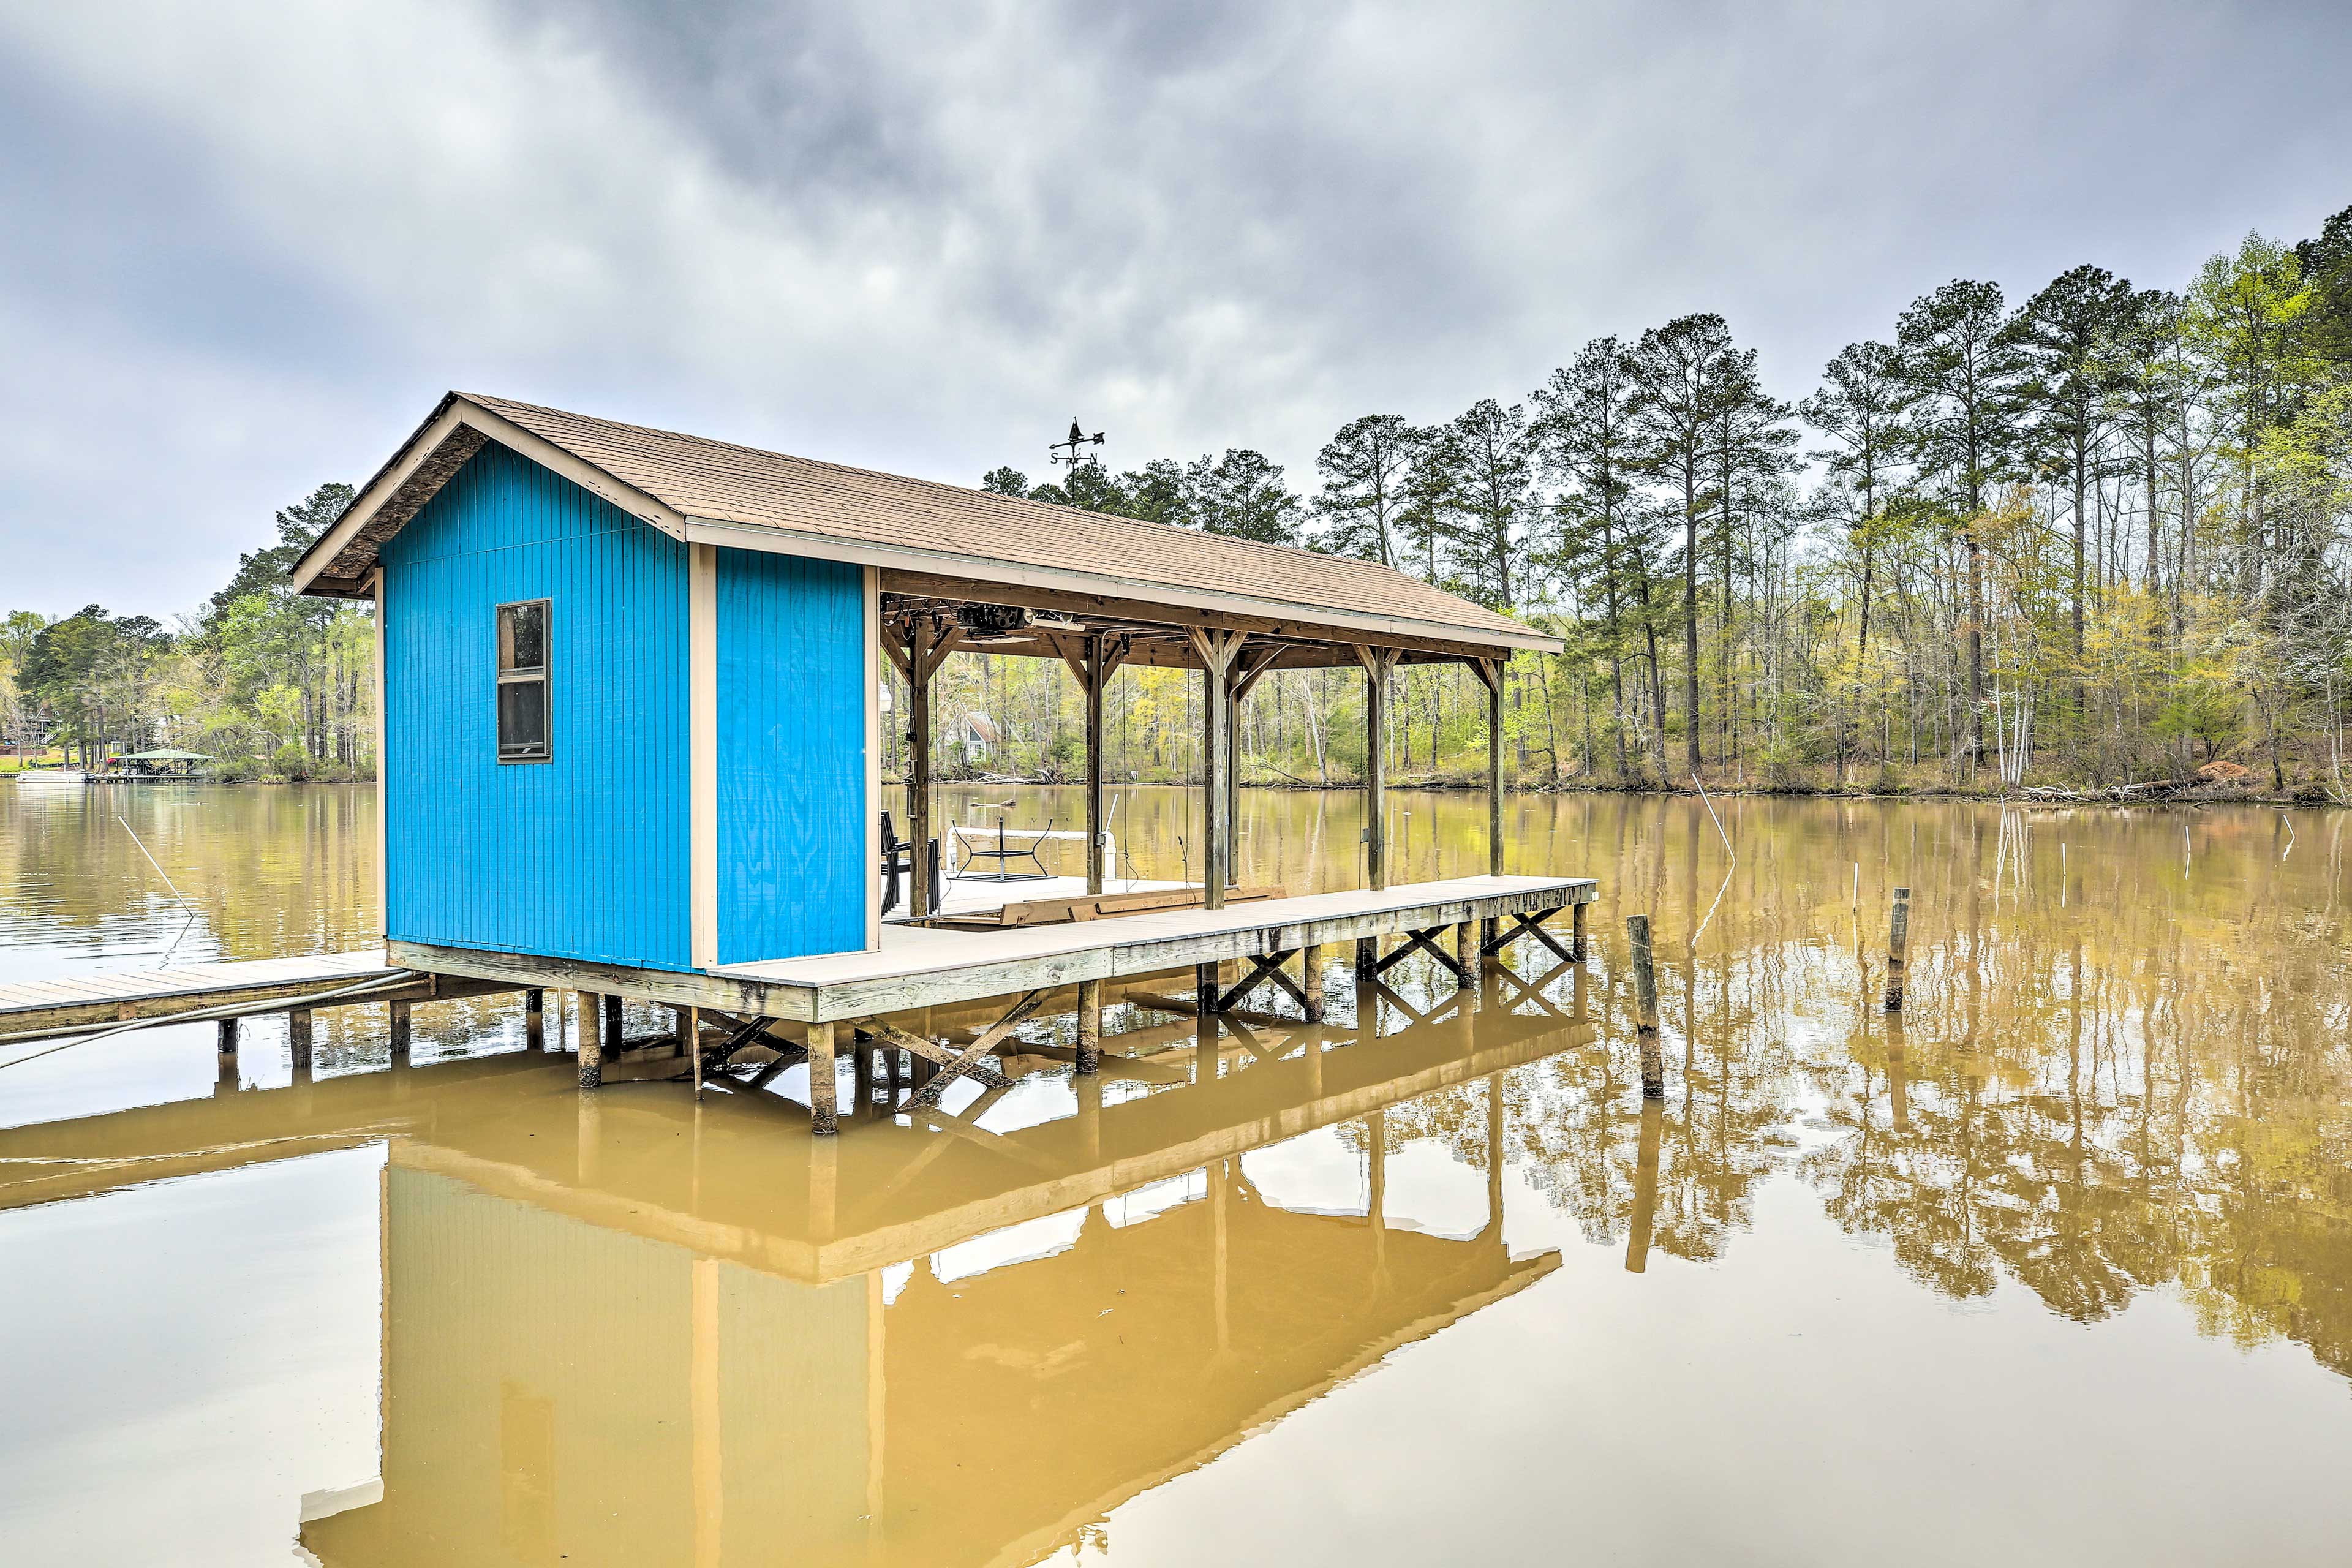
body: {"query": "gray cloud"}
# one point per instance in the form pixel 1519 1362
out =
pixel 248 244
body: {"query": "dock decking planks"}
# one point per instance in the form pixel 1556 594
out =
pixel 61 1004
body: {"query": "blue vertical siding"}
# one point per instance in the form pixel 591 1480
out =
pixel 582 856
pixel 791 757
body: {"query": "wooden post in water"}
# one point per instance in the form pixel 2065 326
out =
pixel 399 1028
pixel 1089 1026
pixel 1311 982
pixel 297 1039
pixel 592 1041
pixel 612 1024
pixel 824 1114
pixel 1576 933
pixel 227 1054
pixel 1898 944
pixel 690 1020
pixel 1465 955
pixel 1645 1008
pixel 534 1019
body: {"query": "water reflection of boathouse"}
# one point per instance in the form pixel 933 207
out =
pixel 601 1343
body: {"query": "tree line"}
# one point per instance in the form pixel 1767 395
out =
pixel 265 681
pixel 2088 536
pixel 2094 535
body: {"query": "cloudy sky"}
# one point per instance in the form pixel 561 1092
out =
pixel 246 245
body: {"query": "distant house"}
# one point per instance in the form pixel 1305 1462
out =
pixel 979 735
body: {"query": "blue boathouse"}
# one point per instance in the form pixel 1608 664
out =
pixel 629 722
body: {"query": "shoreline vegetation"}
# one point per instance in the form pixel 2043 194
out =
pixel 2091 544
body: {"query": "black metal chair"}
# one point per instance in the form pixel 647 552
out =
pixel 898 860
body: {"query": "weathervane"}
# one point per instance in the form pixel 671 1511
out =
pixel 1077 440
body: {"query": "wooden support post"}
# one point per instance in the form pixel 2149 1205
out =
pixel 1898 947
pixel 1645 1008
pixel 1378 664
pixel 226 1075
pixel 592 1041
pixel 534 1019
pixel 1490 670
pixel 1207 983
pixel 1310 982
pixel 399 1027
pixel 1466 956
pixel 1231 815
pixel 861 1072
pixel 919 764
pixel 298 1038
pixel 1089 1026
pixel 1367 957
pixel 1217 651
pixel 823 1113
pixel 1093 677
pixel 612 1025
pixel 1576 949
pixel 690 1031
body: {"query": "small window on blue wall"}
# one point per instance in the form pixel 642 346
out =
pixel 523 638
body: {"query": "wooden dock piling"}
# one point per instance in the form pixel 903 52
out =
pixel 1576 933
pixel 534 1019
pixel 824 1112
pixel 1089 1026
pixel 398 1029
pixel 592 1042
pixel 298 1038
pixel 1899 944
pixel 1645 1008
pixel 1466 956
pixel 1311 980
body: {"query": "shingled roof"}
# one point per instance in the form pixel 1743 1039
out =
pixel 694 487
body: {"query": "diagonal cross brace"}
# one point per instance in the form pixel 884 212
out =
pixel 891 1035
pixel 1421 939
pixel 1529 924
pixel 1267 966
pixel 927 1096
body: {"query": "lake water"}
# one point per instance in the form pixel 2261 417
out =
pixel 2057 1268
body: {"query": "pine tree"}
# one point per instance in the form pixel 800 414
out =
pixel 1962 374
pixel 2064 339
pixel 1491 468
pixel 1675 369
pixel 1364 469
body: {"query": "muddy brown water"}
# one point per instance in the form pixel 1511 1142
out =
pixel 2055 1268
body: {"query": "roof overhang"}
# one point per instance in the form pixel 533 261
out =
pixel 341 562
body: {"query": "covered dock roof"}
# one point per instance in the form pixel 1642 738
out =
pixel 935 544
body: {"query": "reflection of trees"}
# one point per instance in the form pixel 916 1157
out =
pixel 2124 1065
pixel 2145 1087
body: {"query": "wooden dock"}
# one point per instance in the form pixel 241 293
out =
pixel 1233 951
pixel 917 967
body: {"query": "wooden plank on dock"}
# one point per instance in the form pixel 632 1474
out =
pixel 33 1009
